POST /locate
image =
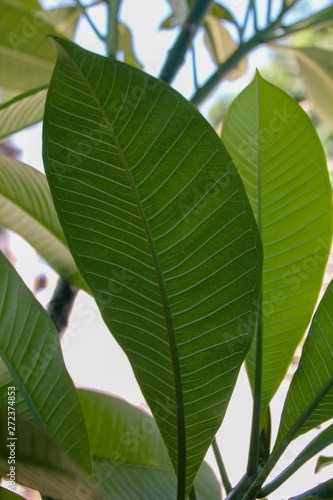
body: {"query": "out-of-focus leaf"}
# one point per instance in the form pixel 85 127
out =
pixel 221 45
pixel 7 494
pixel 64 20
pixel 126 45
pixel 323 462
pixel 222 13
pixel 26 207
pixel 318 20
pixel 41 464
pixel 283 166
pixel 323 491
pixel 133 462
pixel 314 372
pixel 22 111
pixel 30 350
pixel 154 212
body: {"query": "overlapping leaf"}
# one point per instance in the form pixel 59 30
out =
pixel 31 352
pixel 26 207
pixel 133 461
pixel 22 111
pixel 283 166
pixel 159 224
pixel 314 373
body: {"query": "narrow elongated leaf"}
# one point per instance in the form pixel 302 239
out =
pixel 133 461
pixel 283 166
pixel 30 349
pixel 159 224
pixel 126 45
pixel 26 55
pixel 41 464
pixel 26 207
pixel 315 371
pixel 22 111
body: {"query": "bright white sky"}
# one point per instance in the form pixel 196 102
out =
pixel 92 356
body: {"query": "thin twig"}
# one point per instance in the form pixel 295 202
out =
pixel 224 475
pixel 83 8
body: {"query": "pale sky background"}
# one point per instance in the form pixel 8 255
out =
pixel 92 357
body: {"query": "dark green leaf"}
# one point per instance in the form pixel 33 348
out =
pixel 154 213
pixel 31 352
pixel 323 462
pixel 282 163
pixel 323 491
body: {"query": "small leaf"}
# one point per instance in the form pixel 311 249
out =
pixel 26 207
pixel 30 349
pixel 126 45
pixel 221 45
pixel 154 210
pixel 41 464
pixel 135 450
pixel 222 13
pixel 323 462
pixel 169 23
pixel 22 111
pixel 283 166
pixel 314 372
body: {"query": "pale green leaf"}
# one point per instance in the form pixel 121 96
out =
pixel 64 20
pixel 41 464
pixel 154 213
pixel 133 460
pixel 26 55
pixel 221 45
pixel 317 20
pixel 314 372
pixel 126 45
pixel 22 111
pixel 30 349
pixel 282 163
pixel 26 207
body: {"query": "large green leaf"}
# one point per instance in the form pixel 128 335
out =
pixel 26 207
pixel 159 224
pixel 133 461
pixel 22 111
pixel 30 349
pixel 26 55
pixel 315 371
pixel 41 464
pixel 280 158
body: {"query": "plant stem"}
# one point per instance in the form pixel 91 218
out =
pixel 253 490
pixel 112 34
pixel 61 304
pixel 190 27
pixel 90 21
pixel 253 460
pixel 224 476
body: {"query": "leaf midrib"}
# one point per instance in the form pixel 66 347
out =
pixel 165 300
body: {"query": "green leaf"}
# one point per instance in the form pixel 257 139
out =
pixel 323 491
pixel 221 45
pixel 26 55
pixel 135 451
pixel 41 464
pixel 22 111
pixel 323 462
pixel 315 371
pixel 222 13
pixel 126 45
pixel 26 207
pixel 317 73
pixel 9 495
pixel 30 349
pixel 64 20
pixel 154 212
pixel 282 163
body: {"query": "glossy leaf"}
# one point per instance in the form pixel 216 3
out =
pixel 281 160
pixel 41 464
pixel 153 211
pixel 30 349
pixel 26 207
pixel 26 55
pixel 221 45
pixel 22 111
pixel 133 461
pixel 317 74
pixel 314 372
